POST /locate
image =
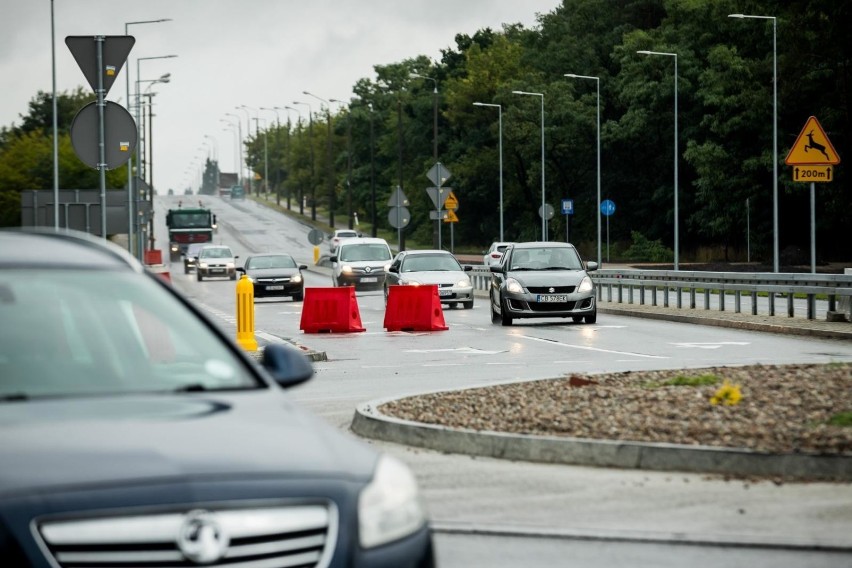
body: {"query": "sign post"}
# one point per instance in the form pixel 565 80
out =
pixel 607 209
pixel 812 160
pixel 567 210
pixel 439 174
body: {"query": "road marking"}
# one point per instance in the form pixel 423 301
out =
pixel 465 350
pixel 585 348
pixel 713 345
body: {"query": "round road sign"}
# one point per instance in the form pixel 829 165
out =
pixel 315 236
pixel 119 135
pixel 546 211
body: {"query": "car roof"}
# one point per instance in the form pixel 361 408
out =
pixel 363 240
pixel 49 248
pixel 428 251
pixel 269 254
pixel 542 244
pixel 345 232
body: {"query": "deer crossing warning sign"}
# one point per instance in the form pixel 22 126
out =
pixel 812 147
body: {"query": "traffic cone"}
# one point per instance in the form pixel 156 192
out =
pixel 414 308
pixel 330 310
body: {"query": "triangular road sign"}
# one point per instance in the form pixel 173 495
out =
pixel 438 196
pixel 451 202
pixel 451 217
pixel 812 147
pixel 398 198
pixel 114 53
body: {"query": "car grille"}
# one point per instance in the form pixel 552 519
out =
pixel 551 289
pixel 281 280
pixel 262 537
pixel 552 306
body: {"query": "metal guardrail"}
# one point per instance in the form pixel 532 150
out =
pixel 682 288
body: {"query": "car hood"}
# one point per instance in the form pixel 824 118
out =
pixel 77 442
pixel 435 276
pixel 272 272
pixel 548 277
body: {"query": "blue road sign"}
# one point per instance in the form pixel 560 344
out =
pixel 607 207
pixel 567 206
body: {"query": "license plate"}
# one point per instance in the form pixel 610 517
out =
pixel 551 298
pixel 275 287
pixel 217 270
pixel 369 279
pixel 445 292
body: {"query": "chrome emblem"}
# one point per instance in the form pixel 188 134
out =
pixel 551 289
pixel 201 538
pixel 368 270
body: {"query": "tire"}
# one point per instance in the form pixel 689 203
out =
pixel 185 269
pixel 592 318
pixel 505 318
pixel 577 319
pixel 199 277
pixel 495 317
pixel 298 297
pixel 233 276
pixel 452 305
pixel 468 305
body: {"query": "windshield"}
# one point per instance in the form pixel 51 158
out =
pixel 189 220
pixel 354 253
pixel 83 332
pixel 545 258
pixel 221 252
pixel 280 261
pixel 430 262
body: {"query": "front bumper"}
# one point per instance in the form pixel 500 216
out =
pixel 217 271
pixel 265 289
pixel 526 306
pixel 361 280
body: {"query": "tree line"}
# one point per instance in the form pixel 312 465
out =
pixel 728 69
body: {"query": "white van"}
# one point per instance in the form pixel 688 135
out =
pixel 361 262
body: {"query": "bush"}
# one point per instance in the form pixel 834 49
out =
pixel 643 250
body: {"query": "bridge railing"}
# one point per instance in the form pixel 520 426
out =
pixel 714 290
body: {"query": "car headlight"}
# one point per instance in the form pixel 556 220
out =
pixel 230 265
pixel 297 278
pixel 174 248
pixel 389 508
pixel 586 285
pixel 514 286
pixel 202 265
pixel 463 283
pixel 346 269
pixel 409 282
pixel 386 267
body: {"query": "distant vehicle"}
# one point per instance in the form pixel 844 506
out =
pixel 189 225
pixel 237 192
pixel 339 235
pixel 216 261
pixel 542 280
pixel 361 262
pixel 136 432
pixel 494 254
pixel 439 267
pixel 275 274
pixel 189 258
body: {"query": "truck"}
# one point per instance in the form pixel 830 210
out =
pixel 187 226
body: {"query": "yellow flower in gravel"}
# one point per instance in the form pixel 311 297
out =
pixel 728 394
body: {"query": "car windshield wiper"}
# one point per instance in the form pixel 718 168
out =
pixel 191 387
pixel 559 268
pixel 14 397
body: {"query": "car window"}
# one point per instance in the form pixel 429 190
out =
pixel 364 252
pixel 433 262
pixel 128 337
pixel 546 258
pixel 280 261
pixel 216 253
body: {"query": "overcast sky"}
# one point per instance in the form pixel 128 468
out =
pixel 258 53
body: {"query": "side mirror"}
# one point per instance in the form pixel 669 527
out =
pixel 498 268
pixel 591 266
pixel 241 269
pixel 332 258
pixel 467 268
pixel 394 269
pixel 236 256
pixel 303 267
pixel 286 365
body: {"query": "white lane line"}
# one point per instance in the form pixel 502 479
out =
pixel 585 348
pixel 713 345
pixel 443 364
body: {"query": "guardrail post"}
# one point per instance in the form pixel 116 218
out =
pixel 679 298
pixel 811 306
pixel 737 301
pixel 641 294
pixel 706 298
pixel 754 302
pixel 721 299
pixel 692 298
pixel 790 304
pixel 771 303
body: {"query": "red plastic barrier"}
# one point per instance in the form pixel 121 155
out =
pixel 414 308
pixel 154 256
pixel 162 271
pixel 330 310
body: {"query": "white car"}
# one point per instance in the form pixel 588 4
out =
pixel 438 267
pixel 216 261
pixel 494 254
pixel 338 236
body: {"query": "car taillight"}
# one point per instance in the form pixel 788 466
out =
pixel 496 255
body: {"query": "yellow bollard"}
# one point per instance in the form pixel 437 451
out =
pixel 316 254
pixel 245 314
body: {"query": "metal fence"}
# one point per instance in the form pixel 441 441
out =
pixel 755 292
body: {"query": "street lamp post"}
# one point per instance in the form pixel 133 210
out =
pixel 277 153
pixel 138 196
pixel 215 157
pixel 290 155
pixel 130 199
pixel 676 214
pixel 438 221
pixel 240 146
pixel 348 162
pixel 248 133
pixel 232 127
pixel 311 143
pixel 598 85
pixel 265 153
pixel 500 144
pixel 543 208
pixel 329 174
pixel 775 257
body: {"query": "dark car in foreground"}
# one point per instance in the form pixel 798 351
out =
pixel 542 280
pixel 275 274
pixel 134 432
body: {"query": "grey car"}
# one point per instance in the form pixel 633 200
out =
pixel 135 432
pixel 216 261
pixel 542 280
pixel 438 267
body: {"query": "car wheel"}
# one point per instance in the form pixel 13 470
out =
pixel 298 297
pixel 185 269
pixel 198 276
pixel 468 305
pixel 505 318
pixel 577 319
pixel 452 305
pixel 495 317
pixel 592 318
pixel 233 276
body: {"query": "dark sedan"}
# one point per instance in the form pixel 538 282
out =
pixel 275 274
pixel 542 280
pixel 135 432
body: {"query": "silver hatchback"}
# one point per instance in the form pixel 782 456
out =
pixel 542 280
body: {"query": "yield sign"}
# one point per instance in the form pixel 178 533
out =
pixel 438 196
pixel 812 147
pixel 114 53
